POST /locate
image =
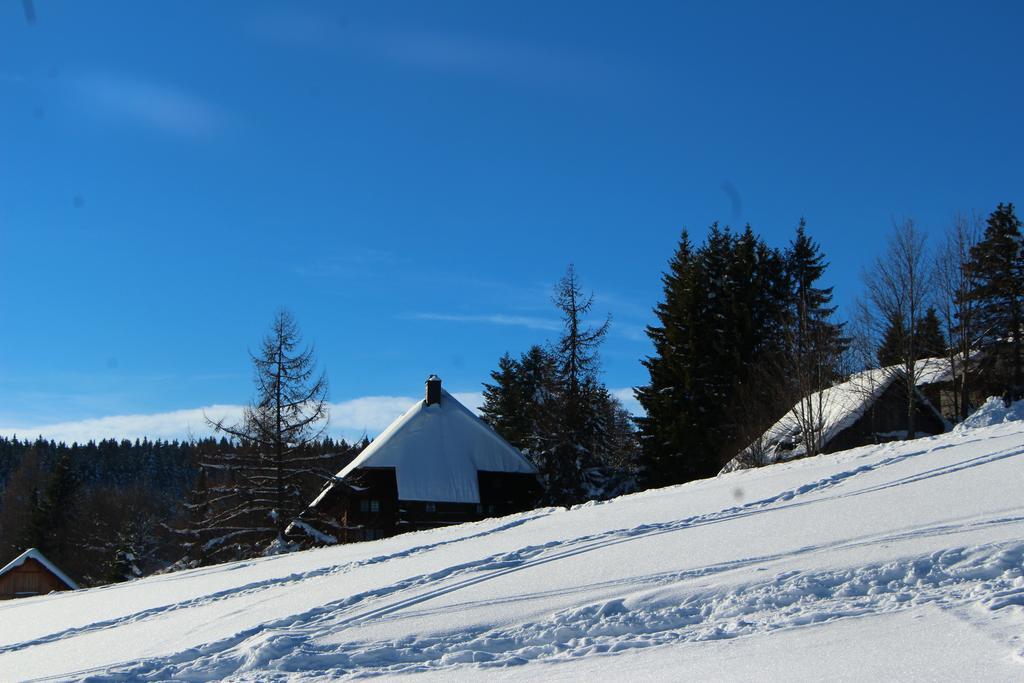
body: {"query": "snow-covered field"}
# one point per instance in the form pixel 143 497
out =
pixel 902 561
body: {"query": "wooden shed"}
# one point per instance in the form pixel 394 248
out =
pixel 32 574
pixel 436 465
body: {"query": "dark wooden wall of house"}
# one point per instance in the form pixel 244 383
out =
pixel 366 506
pixel 31 578
pixel 888 414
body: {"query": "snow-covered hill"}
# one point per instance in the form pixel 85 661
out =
pixel 899 561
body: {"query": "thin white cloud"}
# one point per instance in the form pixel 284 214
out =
pixel 367 415
pixel 176 424
pixel 148 103
pixel 352 419
pixel 628 400
pixel 478 55
pixel 498 319
pixel 352 262
pixel 432 50
pixel 631 332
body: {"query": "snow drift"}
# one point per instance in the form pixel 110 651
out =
pixel 904 560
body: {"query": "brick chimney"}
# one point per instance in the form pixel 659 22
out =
pixel 433 390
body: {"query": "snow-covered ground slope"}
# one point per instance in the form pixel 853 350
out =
pixel 898 561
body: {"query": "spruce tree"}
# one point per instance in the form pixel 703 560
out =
pixel 522 403
pixel 814 341
pixel 721 321
pixel 573 448
pixel 505 402
pixel 817 340
pixel 931 342
pixel 997 268
pixel 665 425
pixel 52 510
pixel 551 404
pixel 890 348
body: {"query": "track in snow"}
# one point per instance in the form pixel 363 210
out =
pixel 987 575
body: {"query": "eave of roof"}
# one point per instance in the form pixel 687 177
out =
pixel 33 554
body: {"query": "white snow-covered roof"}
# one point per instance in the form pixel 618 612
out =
pixel 436 451
pixel 33 554
pixel 932 370
pixel 935 370
pixel 833 410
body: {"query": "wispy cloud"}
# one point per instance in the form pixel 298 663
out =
pixel 479 55
pixel 148 103
pixel 496 319
pixel 350 419
pixel 628 400
pixel 431 49
pixel 367 415
pixel 176 424
pixel 631 332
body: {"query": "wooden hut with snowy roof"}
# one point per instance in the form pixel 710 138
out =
pixel 436 465
pixel 869 408
pixel 32 574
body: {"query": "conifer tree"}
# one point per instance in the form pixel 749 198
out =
pixel 814 341
pixel 551 404
pixel 932 343
pixel 721 321
pixel 997 267
pixel 522 404
pixel 890 349
pixel 817 340
pixel 55 510
pixel 505 402
pixel 664 427
pixel 264 483
pixel 573 448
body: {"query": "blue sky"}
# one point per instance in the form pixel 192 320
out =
pixel 410 179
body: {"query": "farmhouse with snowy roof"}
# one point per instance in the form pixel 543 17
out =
pixel 32 574
pixel 436 465
pixel 869 408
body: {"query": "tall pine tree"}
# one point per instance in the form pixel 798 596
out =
pixel 814 340
pixel 722 321
pixel 932 342
pixel 551 404
pixel 997 266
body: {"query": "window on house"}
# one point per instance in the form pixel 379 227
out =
pixel 374 506
pixel 364 505
pixel 479 509
pixel 431 507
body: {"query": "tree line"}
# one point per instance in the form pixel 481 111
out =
pixel 112 510
pixel 746 333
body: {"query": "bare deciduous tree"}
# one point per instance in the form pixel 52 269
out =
pixel 898 288
pixel 953 282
